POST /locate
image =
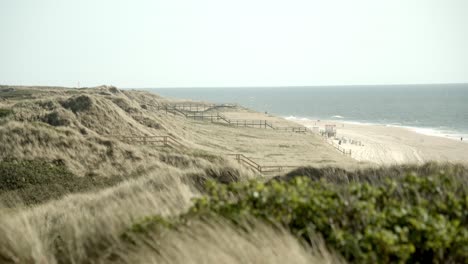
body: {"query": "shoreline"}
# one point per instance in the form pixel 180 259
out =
pixel 427 131
pixel 387 145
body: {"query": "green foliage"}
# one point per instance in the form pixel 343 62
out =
pixel 17 94
pixel 414 219
pixel 5 112
pixel 410 219
pixel 147 225
pixel 57 118
pixel 151 223
pixel 35 181
pixel 79 103
pixel 375 175
pixel 20 174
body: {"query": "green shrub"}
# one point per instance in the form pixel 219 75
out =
pixel 17 94
pixel 36 181
pixel 57 118
pixel 407 219
pixel 5 112
pixel 79 103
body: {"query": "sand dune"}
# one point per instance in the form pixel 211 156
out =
pixel 74 130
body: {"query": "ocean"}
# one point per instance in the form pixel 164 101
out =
pixel 438 110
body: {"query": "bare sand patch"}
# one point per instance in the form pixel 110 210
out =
pixel 395 145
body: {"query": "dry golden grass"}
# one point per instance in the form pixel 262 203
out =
pixel 219 241
pixel 87 228
pixel 83 227
pixel 76 128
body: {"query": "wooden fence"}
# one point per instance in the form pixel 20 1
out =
pixel 339 148
pixel 293 129
pixel 191 108
pixel 164 141
pixel 233 122
pixel 242 159
pixel 198 112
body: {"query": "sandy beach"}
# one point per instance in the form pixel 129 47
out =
pixel 393 145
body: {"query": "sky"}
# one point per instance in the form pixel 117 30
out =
pixel 220 43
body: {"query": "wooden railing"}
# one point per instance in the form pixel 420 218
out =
pixel 222 117
pixel 339 148
pixel 255 123
pixel 165 141
pixel 242 159
pixel 200 107
pixel 233 122
pixel 249 123
pixel 186 109
pixel 293 129
pixel 198 112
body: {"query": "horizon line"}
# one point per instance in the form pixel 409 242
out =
pixel 262 86
pixel 296 86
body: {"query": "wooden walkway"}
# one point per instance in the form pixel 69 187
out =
pixel 163 141
pixel 242 159
pixel 232 122
pixel 169 141
pixel 187 109
pixel 201 112
pixel 339 148
pixel 256 123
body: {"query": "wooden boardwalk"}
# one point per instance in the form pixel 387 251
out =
pixel 201 112
pixel 169 141
pixel 256 123
pixel 339 148
pixel 163 141
pixel 242 159
pixel 187 109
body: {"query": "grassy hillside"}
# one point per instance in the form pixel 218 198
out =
pixel 73 191
pixel 79 129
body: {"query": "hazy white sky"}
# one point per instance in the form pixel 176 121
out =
pixel 177 43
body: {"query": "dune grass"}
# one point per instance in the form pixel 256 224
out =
pixel 14 94
pixel 219 241
pixel 37 181
pixel 71 192
pixel 5 112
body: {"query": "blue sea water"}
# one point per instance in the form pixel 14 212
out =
pixel 440 110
